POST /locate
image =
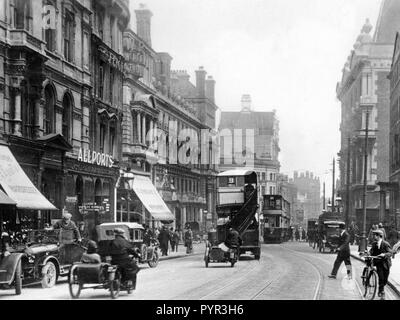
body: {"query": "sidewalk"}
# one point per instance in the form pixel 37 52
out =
pixel 394 276
pixel 197 248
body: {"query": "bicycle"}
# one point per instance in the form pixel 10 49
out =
pixel 370 277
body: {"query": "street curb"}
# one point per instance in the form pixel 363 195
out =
pixel 176 257
pixel 391 285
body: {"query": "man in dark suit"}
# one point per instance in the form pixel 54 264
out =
pixel 343 253
pixel 381 248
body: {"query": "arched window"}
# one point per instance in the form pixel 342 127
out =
pixel 66 117
pixel 48 112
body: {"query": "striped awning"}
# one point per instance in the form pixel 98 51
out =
pixel 151 199
pixel 18 186
pixel 6 200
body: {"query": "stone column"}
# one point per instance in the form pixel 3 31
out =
pixel 152 132
pixel 382 205
pixel 17 116
pixel 144 129
pixel 155 135
pixel 139 139
pixel 38 130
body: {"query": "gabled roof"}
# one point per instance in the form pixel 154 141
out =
pixel 56 140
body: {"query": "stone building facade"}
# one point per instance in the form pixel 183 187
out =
pixel 158 107
pixel 365 87
pixel 308 198
pixel 251 139
pixel 60 101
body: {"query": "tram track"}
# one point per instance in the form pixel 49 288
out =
pixel 355 281
pixel 356 277
pixel 242 278
pixel 318 287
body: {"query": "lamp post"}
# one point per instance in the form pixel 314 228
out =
pixel 363 239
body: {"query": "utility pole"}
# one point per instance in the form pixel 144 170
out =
pixel 347 213
pixel 323 199
pixel 363 240
pixel 333 187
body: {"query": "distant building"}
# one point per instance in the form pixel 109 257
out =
pixel 308 202
pixel 365 85
pixel 261 153
pixel 288 190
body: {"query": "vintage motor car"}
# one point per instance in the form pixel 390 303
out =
pixel 10 271
pixel 133 233
pixel 329 233
pixel 44 260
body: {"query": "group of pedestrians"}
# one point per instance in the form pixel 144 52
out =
pixel 380 248
pixel 298 234
pixel 170 239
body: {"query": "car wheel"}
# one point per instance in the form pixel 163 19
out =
pixel 49 275
pixel 154 261
pixel 18 279
pixel 75 286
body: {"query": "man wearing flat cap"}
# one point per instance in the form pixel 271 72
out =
pixel 381 248
pixel 69 234
pixel 120 249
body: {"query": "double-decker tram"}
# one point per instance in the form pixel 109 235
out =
pixel 275 219
pixel 237 205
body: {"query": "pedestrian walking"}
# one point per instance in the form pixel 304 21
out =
pixel 163 238
pixel 303 235
pixel 297 234
pixel 291 233
pixel 171 239
pixel 381 248
pixel 189 239
pixel 343 254
pixel 177 237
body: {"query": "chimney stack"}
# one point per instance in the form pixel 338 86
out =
pixel 143 20
pixel 210 89
pixel 246 103
pixel 201 82
pixel 164 68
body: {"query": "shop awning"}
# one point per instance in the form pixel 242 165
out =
pixel 18 186
pixel 150 198
pixel 4 199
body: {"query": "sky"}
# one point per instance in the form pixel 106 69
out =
pixel 287 54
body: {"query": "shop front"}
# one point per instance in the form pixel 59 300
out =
pixel 145 205
pixel 16 187
pixel 90 183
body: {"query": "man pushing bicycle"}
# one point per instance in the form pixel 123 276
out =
pixel 381 248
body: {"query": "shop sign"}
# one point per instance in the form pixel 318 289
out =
pixel 71 199
pixel 93 157
pixel 91 207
